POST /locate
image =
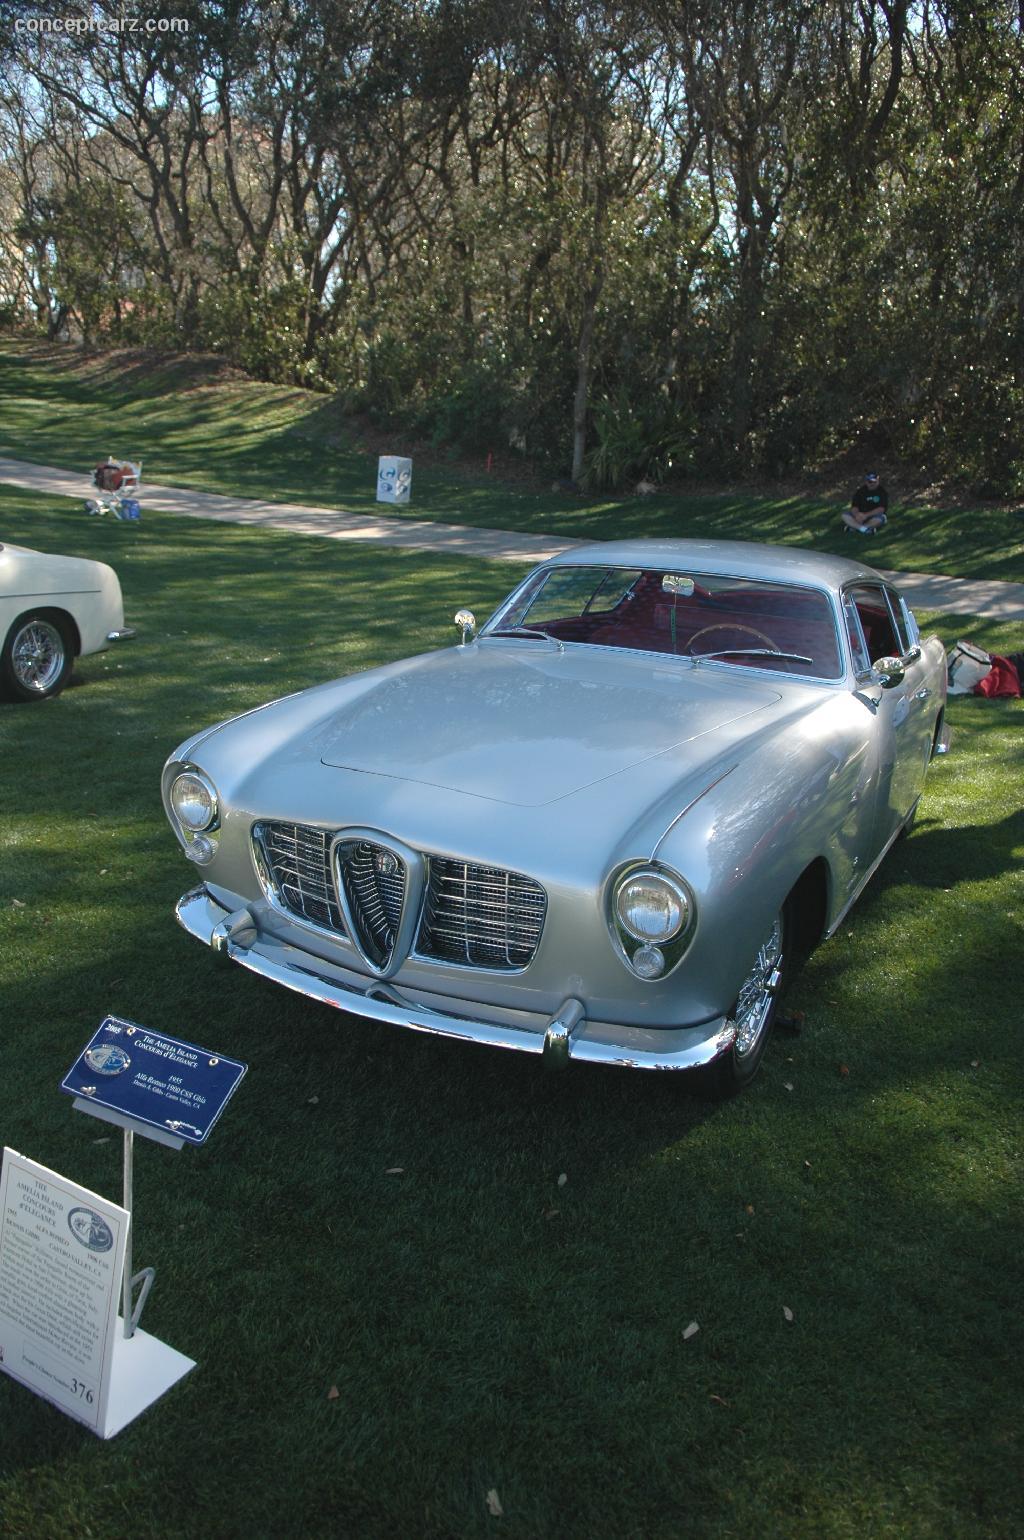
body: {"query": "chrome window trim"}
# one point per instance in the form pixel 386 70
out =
pixel 907 629
pixel 881 587
pixel 850 616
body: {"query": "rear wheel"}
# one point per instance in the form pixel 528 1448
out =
pixel 755 1011
pixel 37 658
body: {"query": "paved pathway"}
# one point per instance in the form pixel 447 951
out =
pixel 926 591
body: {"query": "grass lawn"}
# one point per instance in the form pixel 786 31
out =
pixel 396 1304
pixel 194 426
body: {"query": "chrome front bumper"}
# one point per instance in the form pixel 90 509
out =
pixel 567 1035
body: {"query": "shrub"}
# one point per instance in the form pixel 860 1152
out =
pixel 643 443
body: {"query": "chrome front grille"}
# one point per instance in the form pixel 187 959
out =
pixel 299 862
pixel 374 880
pixel 472 915
pixel 482 916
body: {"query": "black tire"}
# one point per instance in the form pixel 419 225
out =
pixel 37 657
pixel 755 1011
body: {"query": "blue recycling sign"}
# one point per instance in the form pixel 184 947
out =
pixel 171 1085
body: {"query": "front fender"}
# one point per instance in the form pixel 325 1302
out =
pixel 744 845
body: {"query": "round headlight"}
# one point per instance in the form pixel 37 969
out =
pixel 651 907
pixel 194 801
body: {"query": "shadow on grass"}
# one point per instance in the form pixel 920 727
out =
pixel 945 856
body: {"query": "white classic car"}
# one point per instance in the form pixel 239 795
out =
pixel 52 610
pixel 601 830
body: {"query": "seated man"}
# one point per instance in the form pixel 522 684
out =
pixel 867 511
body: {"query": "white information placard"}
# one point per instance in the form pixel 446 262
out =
pixel 61 1260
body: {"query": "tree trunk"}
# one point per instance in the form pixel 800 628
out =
pixel 584 370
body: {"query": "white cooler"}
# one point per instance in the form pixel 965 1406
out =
pixel 394 479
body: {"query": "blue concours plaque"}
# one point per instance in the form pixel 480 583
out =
pixel 173 1087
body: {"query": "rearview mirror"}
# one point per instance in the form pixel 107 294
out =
pixel 466 622
pixel 889 672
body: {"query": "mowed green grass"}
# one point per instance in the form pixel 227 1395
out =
pixel 195 426
pixel 414 1273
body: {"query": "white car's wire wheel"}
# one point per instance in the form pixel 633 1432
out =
pixel 37 658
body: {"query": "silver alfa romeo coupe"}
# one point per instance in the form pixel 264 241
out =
pixel 602 829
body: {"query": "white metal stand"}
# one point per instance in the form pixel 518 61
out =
pixel 143 1368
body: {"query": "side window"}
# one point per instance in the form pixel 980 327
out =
pixel 898 613
pixel 858 646
pixel 876 623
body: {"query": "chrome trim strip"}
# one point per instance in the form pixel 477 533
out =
pixel 688 808
pixel 666 1048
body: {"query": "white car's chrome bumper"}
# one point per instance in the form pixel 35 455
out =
pixel 567 1035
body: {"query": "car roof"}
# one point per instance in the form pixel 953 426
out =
pixel 732 558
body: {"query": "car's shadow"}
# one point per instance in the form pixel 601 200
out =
pixel 971 852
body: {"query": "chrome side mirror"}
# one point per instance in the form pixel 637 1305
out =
pixel 466 622
pixel 889 672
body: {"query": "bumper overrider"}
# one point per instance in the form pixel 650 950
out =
pixel 235 936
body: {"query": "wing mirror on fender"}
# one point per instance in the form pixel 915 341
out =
pixel 466 622
pixel 889 672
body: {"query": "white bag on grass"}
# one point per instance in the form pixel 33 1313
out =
pixel 966 666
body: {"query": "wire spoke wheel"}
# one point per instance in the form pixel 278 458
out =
pixel 755 1006
pixel 36 659
pixel 754 1013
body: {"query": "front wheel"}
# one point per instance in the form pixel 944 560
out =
pixel 754 1013
pixel 37 658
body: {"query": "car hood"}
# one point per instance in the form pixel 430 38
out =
pixel 523 724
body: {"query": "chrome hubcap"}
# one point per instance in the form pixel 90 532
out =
pixel 753 1009
pixel 37 656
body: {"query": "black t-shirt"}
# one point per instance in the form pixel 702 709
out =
pixel 870 499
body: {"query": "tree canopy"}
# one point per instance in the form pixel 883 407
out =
pixel 627 240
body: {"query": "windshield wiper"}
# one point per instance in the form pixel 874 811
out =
pixel 528 631
pixel 753 652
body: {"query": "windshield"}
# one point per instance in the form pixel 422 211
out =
pixel 746 622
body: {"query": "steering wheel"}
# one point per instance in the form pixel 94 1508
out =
pixel 731 629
